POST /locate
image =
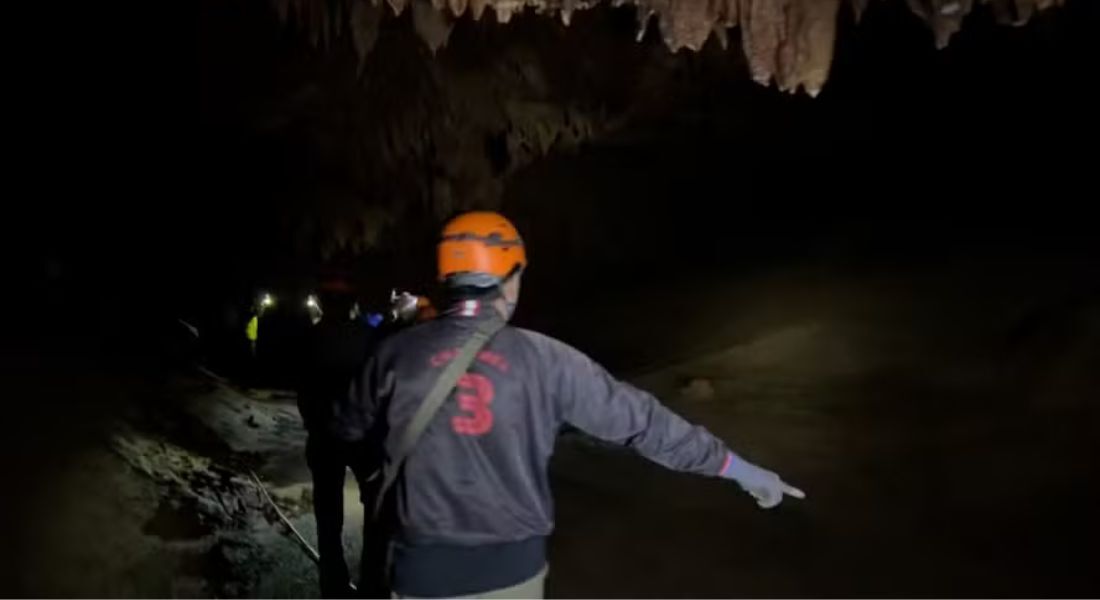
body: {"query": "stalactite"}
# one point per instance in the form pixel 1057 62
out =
pixel 790 42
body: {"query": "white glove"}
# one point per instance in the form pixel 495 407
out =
pixel 762 484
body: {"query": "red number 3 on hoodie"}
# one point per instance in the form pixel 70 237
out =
pixel 474 393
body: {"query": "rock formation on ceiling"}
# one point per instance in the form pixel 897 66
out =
pixel 387 146
pixel 381 136
pixel 788 41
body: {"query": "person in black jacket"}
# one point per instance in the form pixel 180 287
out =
pixel 472 509
pixel 334 352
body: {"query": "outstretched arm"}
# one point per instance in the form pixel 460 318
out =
pixel 597 403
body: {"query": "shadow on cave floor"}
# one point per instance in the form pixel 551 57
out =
pixel 943 422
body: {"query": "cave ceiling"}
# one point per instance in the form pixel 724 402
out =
pixel 788 42
pixel 403 112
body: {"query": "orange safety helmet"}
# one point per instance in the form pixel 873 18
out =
pixel 480 249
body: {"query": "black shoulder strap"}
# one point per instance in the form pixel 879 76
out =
pixel 427 410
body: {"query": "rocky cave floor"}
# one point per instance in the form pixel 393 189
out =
pixel 942 421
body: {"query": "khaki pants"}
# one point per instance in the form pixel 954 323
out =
pixel 532 588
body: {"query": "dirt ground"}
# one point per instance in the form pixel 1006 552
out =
pixel 943 426
pixel 942 421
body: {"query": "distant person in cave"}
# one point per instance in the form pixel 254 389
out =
pixel 405 310
pixel 409 309
pixel 464 501
pixel 252 327
pixel 252 332
pixel 334 352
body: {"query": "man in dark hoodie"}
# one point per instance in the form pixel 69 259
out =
pixel 471 509
pixel 333 354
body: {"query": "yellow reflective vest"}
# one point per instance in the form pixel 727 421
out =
pixel 253 328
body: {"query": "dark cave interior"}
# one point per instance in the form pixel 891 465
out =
pixel 892 289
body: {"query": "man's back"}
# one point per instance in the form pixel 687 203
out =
pixel 333 354
pixel 475 494
pixel 478 474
